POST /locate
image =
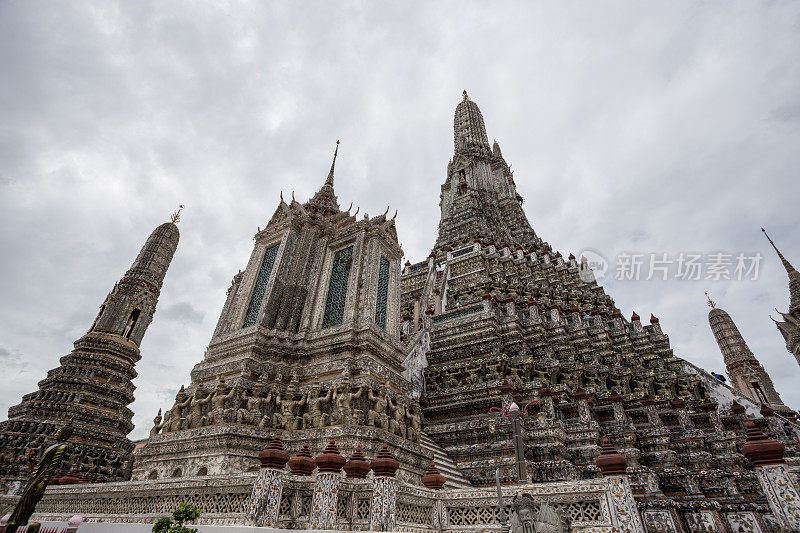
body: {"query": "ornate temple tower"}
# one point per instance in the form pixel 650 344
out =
pixel 746 373
pixel 308 342
pixel 496 315
pixel 93 386
pixel 479 197
pixel 790 325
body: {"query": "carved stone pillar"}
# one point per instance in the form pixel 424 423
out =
pixel 440 518
pixel 625 512
pixel 326 488
pixel 323 504
pixel 584 413
pixel 384 492
pixel 384 501
pixel 781 490
pixel 265 499
pixel 434 480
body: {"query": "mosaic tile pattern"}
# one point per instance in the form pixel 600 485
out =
pixel 624 504
pixel 266 498
pixel 782 494
pixel 383 293
pixel 743 522
pixel 384 503
pixel 260 286
pixel 337 288
pixel 326 496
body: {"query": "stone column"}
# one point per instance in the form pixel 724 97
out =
pixel 384 492
pixel 779 487
pixel 265 500
pixel 326 488
pixel 584 413
pixel 625 513
pixel 434 480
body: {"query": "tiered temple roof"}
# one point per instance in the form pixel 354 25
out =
pixel 509 318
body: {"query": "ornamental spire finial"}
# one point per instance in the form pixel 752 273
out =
pixel 711 303
pixel 333 163
pixel 466 97
pixel 786 264
pixel 176 216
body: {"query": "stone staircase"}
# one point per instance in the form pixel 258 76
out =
pixel 455 479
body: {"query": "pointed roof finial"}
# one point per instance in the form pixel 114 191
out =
pixel 786 264
pixel 325 200
pixel 333 163
pixel 465 95
pixel 711 303
pixel 176 216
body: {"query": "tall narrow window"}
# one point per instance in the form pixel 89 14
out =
pixel 337 288
pixel 383 293
pixel 261 285
pixel 131 323
pixel 96 320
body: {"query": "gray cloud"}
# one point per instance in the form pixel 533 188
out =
pixel 183 312
pixel 655 128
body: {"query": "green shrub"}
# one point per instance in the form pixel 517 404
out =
pixel 162 525
pixel 184 513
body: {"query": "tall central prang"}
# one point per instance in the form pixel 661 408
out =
pixel 495 315
pixel 479 198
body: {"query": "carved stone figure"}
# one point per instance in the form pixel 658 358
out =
pixel 179 409
pixel 198 400
pixel 377 415
pixel 314 417
pixel 218 410
pixel 397 423
pixel 156 424
pixel 525 518
pixel 344 413
pixel 286 418
pixel 493 371
pixel 251 407
pixel 414 425
pixel 472 376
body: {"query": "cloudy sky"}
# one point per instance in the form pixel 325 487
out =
pixel 650 127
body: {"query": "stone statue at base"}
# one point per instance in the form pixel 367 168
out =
pixel 414 425
pixel 343 413
pixel 286 419
pixel 40 477
pixel 314 417
pixel 156 424
pixel 196 403
pixel 526 519
pixel 178 411
pixel 397 423
pixel 252 405
pixel 221 395
pixel 377 415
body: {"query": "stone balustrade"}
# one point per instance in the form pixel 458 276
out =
pixel 590 505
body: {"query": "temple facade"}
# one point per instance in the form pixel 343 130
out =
pixel 308 342
pixel 499 315
pixel 493 383
pixel 747 375
pixel 92 386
